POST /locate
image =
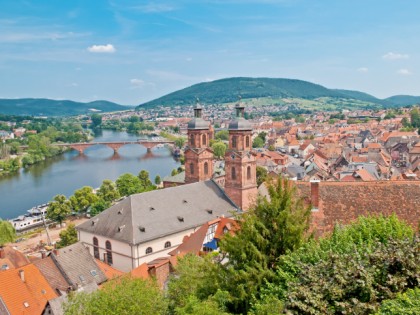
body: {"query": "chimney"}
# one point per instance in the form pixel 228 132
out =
pixel 315 194
pixel 2 253
pixel 55 251
pixel 43 254
pixel 22 275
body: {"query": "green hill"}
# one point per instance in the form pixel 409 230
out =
pixel 403 100
pixel 227 90
pixel 47 107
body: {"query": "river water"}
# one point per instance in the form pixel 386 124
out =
pixel 64 174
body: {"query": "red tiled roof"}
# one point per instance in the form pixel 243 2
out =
pixel 28 297
pixel 109 271
pixel 141 271
pixel 13 258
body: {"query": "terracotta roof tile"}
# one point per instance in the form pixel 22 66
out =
pixel 109 271
pixel 28 297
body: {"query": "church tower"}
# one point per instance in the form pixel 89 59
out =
pixel 240 162
pixel 198 154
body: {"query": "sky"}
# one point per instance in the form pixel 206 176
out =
pixel 131 52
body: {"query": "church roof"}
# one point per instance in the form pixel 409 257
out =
pixel 146 216
pixel 240 124
pixel 198 123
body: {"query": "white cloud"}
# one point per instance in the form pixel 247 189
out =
pixel 136 83
pixel 394 56
pixel 363 69
pixel 404 72
pixel 102 49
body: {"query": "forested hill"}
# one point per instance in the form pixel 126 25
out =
pixel 47 107
pixel 227 90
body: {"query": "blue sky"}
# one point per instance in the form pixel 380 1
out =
pixel 133 51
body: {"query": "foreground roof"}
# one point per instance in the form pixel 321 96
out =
pixel 143 217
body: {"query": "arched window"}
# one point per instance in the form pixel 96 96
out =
pixel 206 168
pixel 95 248
pixel 233 173
pixel 192 141
pixel 204 140
pixel 233 141
pixel 247 141
pixel 192 168
pixel 108 252
pixel 149 250
pixel 248 173
pixel 167 244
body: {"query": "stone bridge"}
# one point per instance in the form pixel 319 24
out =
pixel 81 147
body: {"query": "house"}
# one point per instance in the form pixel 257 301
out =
pixel 11 258
pixel 146 226
pixel 24 290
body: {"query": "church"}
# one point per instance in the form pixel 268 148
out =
pixel 143 227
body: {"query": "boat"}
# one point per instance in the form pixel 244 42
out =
pixel 34 218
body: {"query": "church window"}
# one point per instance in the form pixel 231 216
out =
pixel 204 140
pixel 247 141
pixel 167 244
pixel 234 142
pixel 233 173
pixel 206 168
pixel 108 252
pixel 149 250
pixel 95 248
pixel 192 141
pixel 192 168
pixel 248 172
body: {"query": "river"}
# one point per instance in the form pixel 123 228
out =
pixel 64 174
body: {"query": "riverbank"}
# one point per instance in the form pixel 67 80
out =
pixel 33 242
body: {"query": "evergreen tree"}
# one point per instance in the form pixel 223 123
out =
pixel 277 224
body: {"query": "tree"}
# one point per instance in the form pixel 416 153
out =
pixel 174 172
pixel 68 236
pixel 219 149
pixel 222 135
pixel 271 148
pixel 180 141
pixel 158 180
pixel 123 296
pixel 258 142
pixel 96 120
pixel 59 208
pixel 262 174
pixel 145 180
pixel 99 206
pixel 7 233
pixel 262 135
pixel 108 191
pixel 415 118
pixel 128 184
pixel 405 303
pixel 275 225
pixel 83 198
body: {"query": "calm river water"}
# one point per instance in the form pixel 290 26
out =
pixel 64 174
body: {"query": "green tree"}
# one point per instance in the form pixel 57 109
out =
pixel 195 306
pixel 415 118
pixel 174 172
pixel 180 141
pixel 263 135
pixel 258 142
pixel 108 191
pixel 222 135
pixel 262 174
pixel 275 225
pixel 407 303
pixel 7 233
pixel 158 180
pixel 123 296
pixel 194 276
pixel 128 184
pixel 68 236
pixel 83 198
pixel 145 180
pixel 96 120
pixel 99 206
pixel 59 208
pixel 219 149
pixel 271 148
